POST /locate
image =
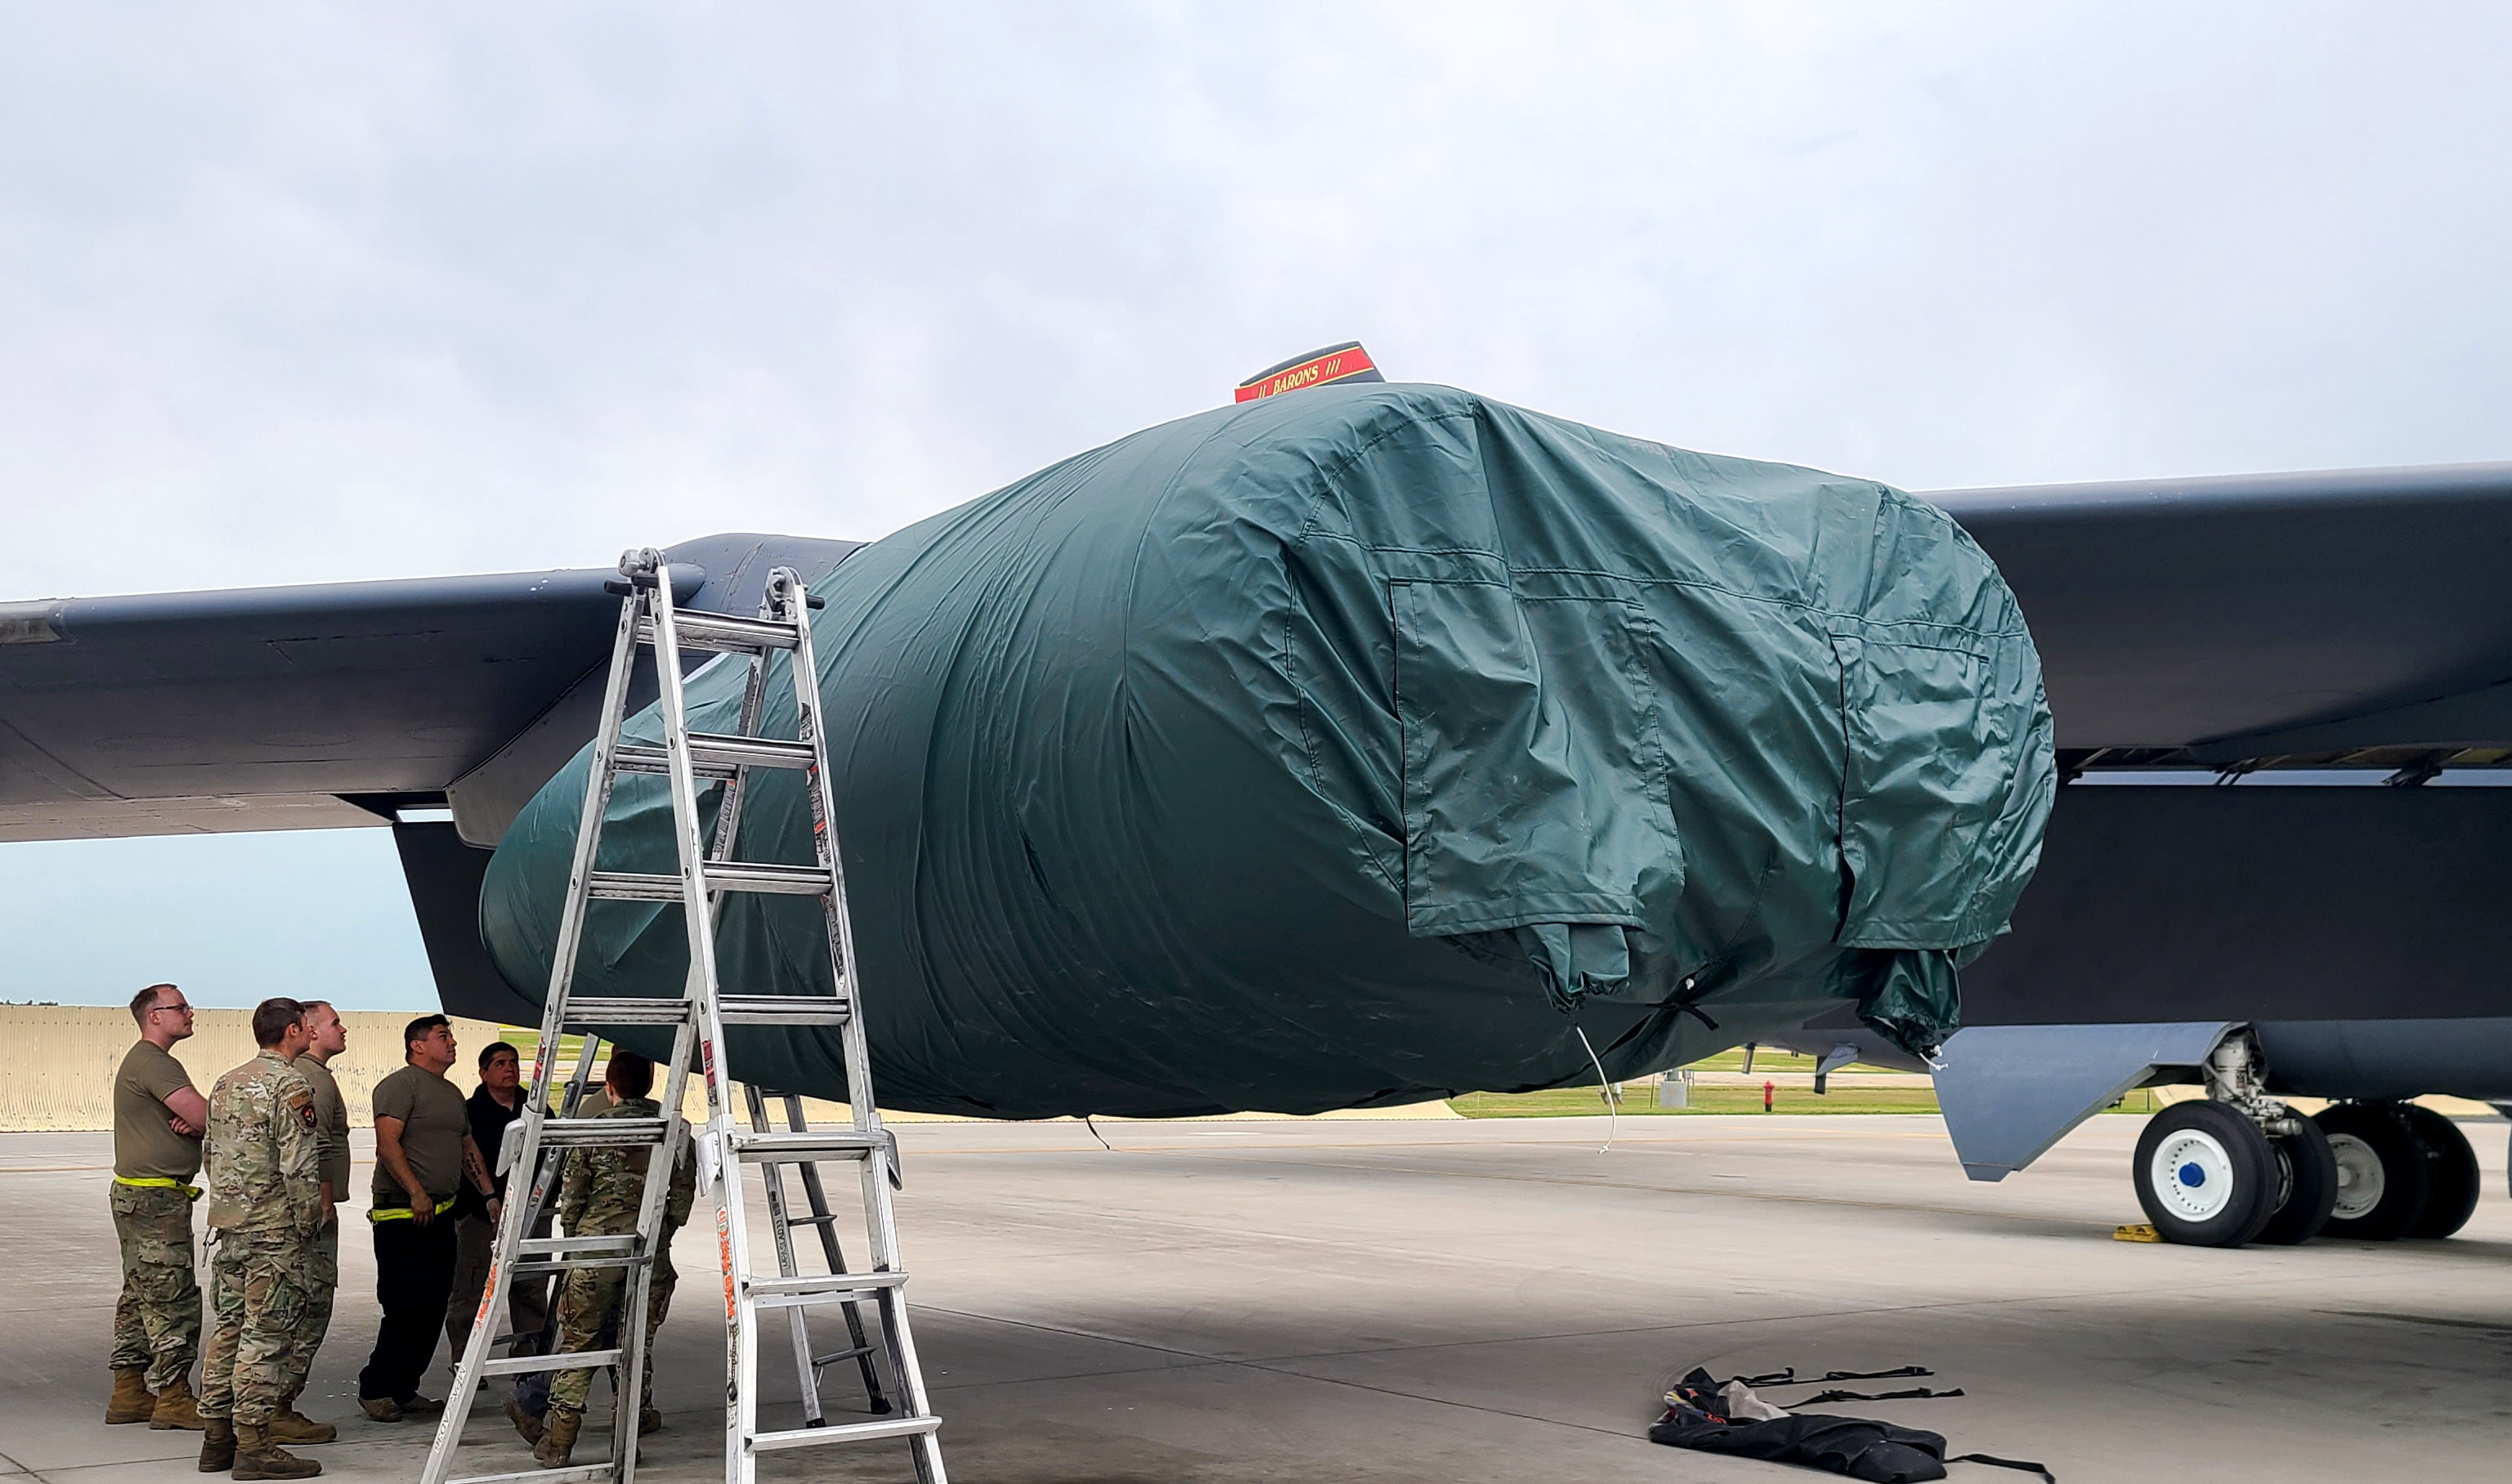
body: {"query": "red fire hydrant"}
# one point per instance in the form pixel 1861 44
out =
pixel 1767 1090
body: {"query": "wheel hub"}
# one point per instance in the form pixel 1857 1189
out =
pixel 2193 1175
pixel 2360 1180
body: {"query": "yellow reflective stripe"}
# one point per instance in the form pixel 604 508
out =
pixel 402 1213
pixel 157 1182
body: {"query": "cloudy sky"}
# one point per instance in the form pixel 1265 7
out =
pixel 293 295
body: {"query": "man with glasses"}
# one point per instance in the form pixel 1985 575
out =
pixel 158 1118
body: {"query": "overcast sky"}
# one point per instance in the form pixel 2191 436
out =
pixel 293 295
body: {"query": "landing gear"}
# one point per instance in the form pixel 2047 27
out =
pixel 2310 1168
pixel 2453 1167
pixel 2385 1178
pixel 2206 1175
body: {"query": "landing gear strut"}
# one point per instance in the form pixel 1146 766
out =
pixel 2239 1167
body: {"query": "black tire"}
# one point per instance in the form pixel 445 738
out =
pixel 2206 1175
pixel 2385 1178
pixel 2311 1186
pixel 2453 1167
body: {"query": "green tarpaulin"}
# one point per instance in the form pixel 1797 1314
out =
pixel 1354 746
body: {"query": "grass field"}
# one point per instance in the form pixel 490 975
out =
pixel 1640 1099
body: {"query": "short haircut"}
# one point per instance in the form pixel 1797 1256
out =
pixel 271 1019
pixel 630 1075
pixel 146 1000
pixel 312 1006
pixel 488 1053
pixel 416 1030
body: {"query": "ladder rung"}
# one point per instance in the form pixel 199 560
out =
pixel 600 1133
pixel 633 886
pixel 695 630
pixel 568 1475
pixel 549 1267
pixel 630 758
pixel 715 755
pixel 824 1286
pixel 571 1360
pixel 720 875
pixel 623 1242
pixel 834 1356
pixel 824 1219
pixel 783 1010
pixel 742 876
pixel 849 1432
pixel 805 1148
pixel 625 1010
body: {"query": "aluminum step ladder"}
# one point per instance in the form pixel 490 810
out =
pixel 538 1142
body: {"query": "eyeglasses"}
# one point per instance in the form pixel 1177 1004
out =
pixel 170 1009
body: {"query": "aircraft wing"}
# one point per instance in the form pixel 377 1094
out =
pixel 325 706
pixel 2350 617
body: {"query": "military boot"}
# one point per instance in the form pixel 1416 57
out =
pixel 177 1407
pixel 525 1423
pixel 648 1419
pixel 290 1425
pixel 260 1457
pixel 218 1445
pixel 132 1401
pixel 558 1437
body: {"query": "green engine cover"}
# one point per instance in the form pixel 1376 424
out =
pixel 1352 747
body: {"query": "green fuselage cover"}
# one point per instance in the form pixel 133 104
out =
pixel 1352 747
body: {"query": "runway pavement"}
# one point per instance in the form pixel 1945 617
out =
pixel 1487 1300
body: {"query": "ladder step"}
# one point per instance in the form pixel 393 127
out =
pixel 722 632
pixel 783 1010
pixel 849 1432
pixel 623 1242
pixel 581 1012
pixel 805 1148
pixel 795 881
pixel 720 875
pixel 602 1133
pixel 572 1360
pixel 715 755
pixel 827 1287
pixel 568 1475
pixel 633 886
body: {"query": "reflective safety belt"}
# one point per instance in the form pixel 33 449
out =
pixel 402 1213
pixel 158 1183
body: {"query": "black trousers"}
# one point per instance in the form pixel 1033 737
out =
pixel 413 1279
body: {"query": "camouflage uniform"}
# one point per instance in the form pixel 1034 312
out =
pixel 323 1254
pixel 266 1206
pixel 157 1322
pixel 599 1197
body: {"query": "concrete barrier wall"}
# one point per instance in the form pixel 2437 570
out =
pixel 57 1066
pixel 57 1061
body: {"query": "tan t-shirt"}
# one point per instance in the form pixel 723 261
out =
pixel 330 1122
pixel 145 1147
pixel 434 1122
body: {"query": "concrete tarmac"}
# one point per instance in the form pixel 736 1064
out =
pixel 1491 1300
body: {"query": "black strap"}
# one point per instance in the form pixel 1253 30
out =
pixel 1789 1377
pixel 1822 1397
pixel 1994 1462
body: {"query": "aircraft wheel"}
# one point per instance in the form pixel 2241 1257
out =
pixel 2206 1175
pixel 2310 1186
pixel 2454 1166
pixel 2383 1177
